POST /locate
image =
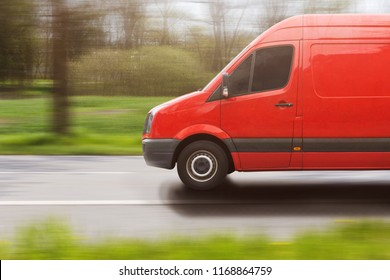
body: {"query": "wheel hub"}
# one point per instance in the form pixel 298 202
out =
pixel 202 166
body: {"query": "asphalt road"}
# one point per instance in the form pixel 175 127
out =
pixel 121 196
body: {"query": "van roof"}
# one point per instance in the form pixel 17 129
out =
pixel 335 20
pixel 292 28
pixel 346 20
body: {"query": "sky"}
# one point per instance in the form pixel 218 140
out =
pixel 373 6
pixel 196 12
pixel 199 9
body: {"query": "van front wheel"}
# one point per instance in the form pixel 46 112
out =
pixel 202 165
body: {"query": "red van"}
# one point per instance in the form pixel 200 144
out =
pixel 310 93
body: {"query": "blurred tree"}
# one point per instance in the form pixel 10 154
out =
pixel 147 71
pixel 326 6
pixel 75 31
pixel 225 30
pixel 200 43
pixel 132 16
pixel 169 17
pixel 85 30
pixel 43 58
pixel 272 12
pixel 217 14
pixel 60 29
pixel 17 21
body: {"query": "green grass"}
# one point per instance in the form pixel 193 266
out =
pixel 100 126
pixel 52 239
pixel 34 88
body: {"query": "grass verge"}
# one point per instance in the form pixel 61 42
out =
pixel 76 144
pixel 52 239
pixel 99 125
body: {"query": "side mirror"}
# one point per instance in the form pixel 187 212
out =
pixel 225 85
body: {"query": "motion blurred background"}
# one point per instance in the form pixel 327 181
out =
pixel 78 76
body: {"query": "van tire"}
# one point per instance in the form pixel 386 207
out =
pixel 202 165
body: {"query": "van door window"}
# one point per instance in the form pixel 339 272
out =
pixel 239 80
pixel 271 71
pixel 272 68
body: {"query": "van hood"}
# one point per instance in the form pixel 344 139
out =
pixel 183 102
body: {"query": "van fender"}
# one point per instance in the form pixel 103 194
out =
pixel 202 129
pixel 215 132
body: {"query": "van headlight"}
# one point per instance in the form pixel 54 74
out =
pixel 148 123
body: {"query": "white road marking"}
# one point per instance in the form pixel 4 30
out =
pixel 119 202
pixel 66 172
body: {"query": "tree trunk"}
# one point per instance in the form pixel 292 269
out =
pixel 60 71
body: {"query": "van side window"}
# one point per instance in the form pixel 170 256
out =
pixel 272 68
pixel 239 80
pixel 271 71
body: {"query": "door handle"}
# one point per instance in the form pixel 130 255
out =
pixel 284 104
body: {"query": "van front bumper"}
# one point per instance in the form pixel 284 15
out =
pixel 159 152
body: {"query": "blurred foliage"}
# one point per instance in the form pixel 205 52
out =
pixel 326 6
pixel 47 240
pixel 17 39
pixel 53 239
pixel 29 28
pixel 148 71
pixel 100 125
pixel 86 30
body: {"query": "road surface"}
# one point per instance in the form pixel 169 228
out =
pixel 121 196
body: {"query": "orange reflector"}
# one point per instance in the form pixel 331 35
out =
pixel 297 148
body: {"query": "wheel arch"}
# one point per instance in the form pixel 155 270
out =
pixel 203 136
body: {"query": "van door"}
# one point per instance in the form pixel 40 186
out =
pixel 347 97
pixel 260 110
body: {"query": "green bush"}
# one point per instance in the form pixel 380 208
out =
pixel 150 71
pixel 53 239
